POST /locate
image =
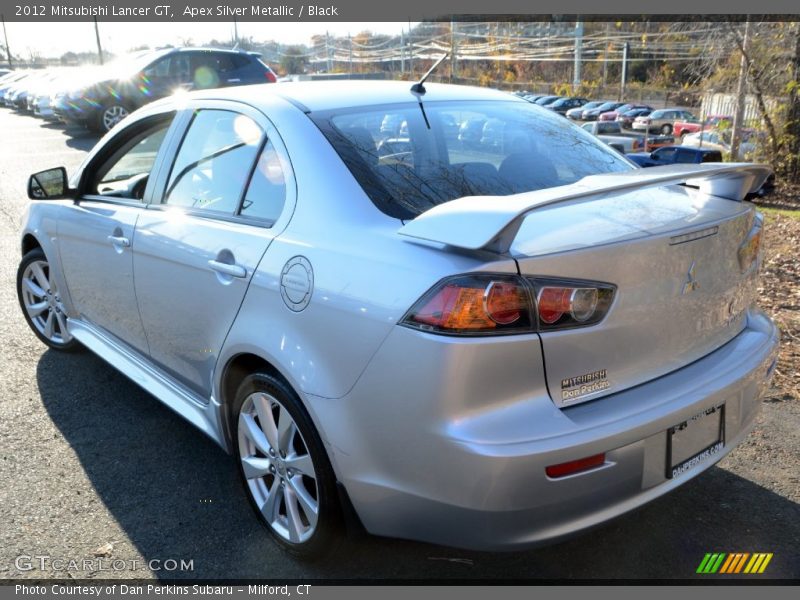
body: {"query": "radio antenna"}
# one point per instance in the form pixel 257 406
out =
pixel 419 87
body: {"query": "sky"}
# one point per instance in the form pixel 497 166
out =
pixel 54 39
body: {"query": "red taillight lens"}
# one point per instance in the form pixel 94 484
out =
pixel 570 305
pixel 475 304
pixel 505 302
pixel 575 466
pixel 553 303
pixel 271 76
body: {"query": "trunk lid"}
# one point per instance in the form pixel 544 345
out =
pixel 672 254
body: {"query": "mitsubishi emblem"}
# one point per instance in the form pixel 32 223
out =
pixel 691 283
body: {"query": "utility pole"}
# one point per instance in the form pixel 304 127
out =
pixel 350 55
pixel 328 52
pixel 605 55
pixel 97 37
pixel 576 79
pixel 453 51
pixel 402 51
pixel 410 50
pixel 5 35
pixel 741 94
pixel 235 33
pixel 624 76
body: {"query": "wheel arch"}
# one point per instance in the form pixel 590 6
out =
pixel 29 242
pixel 236 368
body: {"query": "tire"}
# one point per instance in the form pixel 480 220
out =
pixel 41 303
pixel 681 138
pixel 108 116
pixel 666 129
pixel 279 481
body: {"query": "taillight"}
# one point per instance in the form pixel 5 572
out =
pixel 474 304
pixel 750 248
pixel 271 76
pixel 502 304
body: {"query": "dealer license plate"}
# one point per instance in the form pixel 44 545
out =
pixel 694 441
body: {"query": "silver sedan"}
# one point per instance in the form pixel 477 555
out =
pixel 487 341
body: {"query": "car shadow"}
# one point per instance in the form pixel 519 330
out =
pixel 175 494
pixel 79 138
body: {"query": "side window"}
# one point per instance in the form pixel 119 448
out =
pixel 666 153
pixel 214 161
pixel 181 68
pixel 158 69
pixel 211 68
pixel 125 173
pixel 266 193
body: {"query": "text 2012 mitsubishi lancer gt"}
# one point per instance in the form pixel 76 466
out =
pixel 485 343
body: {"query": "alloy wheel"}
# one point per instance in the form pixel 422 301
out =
pixel 42 302
pixel 278 468
pixel 113 115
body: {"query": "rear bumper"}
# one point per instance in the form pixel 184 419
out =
pixel 446 440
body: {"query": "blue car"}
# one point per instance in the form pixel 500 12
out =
pixel 670 155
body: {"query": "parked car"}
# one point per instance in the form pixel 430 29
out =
pixel 681 128
pixel 382 339
pixel 721 141
pixel 562 105
pixel 576 113
pixel 594 113
pixel 670 155
pixel 547 100
pixel 611 115
pixel 627 118
pixel 532 98
pixel 661 120
pixel 8 81
pixel 144 77
pixel 611 132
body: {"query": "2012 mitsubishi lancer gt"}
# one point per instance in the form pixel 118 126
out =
pixel 486 343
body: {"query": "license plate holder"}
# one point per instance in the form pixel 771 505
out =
pixel 695 440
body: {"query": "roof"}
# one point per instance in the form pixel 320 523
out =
pixel 330 95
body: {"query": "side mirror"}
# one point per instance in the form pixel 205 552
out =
pixel 49 185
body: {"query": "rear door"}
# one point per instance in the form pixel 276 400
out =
pixel 97 233
pixel 221 197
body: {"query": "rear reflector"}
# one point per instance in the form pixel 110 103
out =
pixel 575 466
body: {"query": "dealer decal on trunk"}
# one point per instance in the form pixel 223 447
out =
pixel 575 387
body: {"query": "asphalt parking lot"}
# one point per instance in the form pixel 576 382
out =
pixel 90 464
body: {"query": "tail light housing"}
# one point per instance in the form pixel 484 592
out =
pixel 501 304
pixel 271 77
pixel 750 249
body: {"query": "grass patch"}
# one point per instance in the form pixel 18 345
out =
pixel 772 212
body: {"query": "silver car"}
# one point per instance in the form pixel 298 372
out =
pixel 487 346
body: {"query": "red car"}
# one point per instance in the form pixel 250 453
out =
pixel 681 128
pixel 612 115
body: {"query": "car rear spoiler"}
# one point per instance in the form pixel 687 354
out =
pixel 492 222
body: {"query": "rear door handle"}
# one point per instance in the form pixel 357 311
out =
pixel 228 269
pixel 118 240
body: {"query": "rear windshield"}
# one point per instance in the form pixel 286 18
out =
pixel 408 161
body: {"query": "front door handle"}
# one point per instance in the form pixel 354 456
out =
pixel 118 240
pixel 228 269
